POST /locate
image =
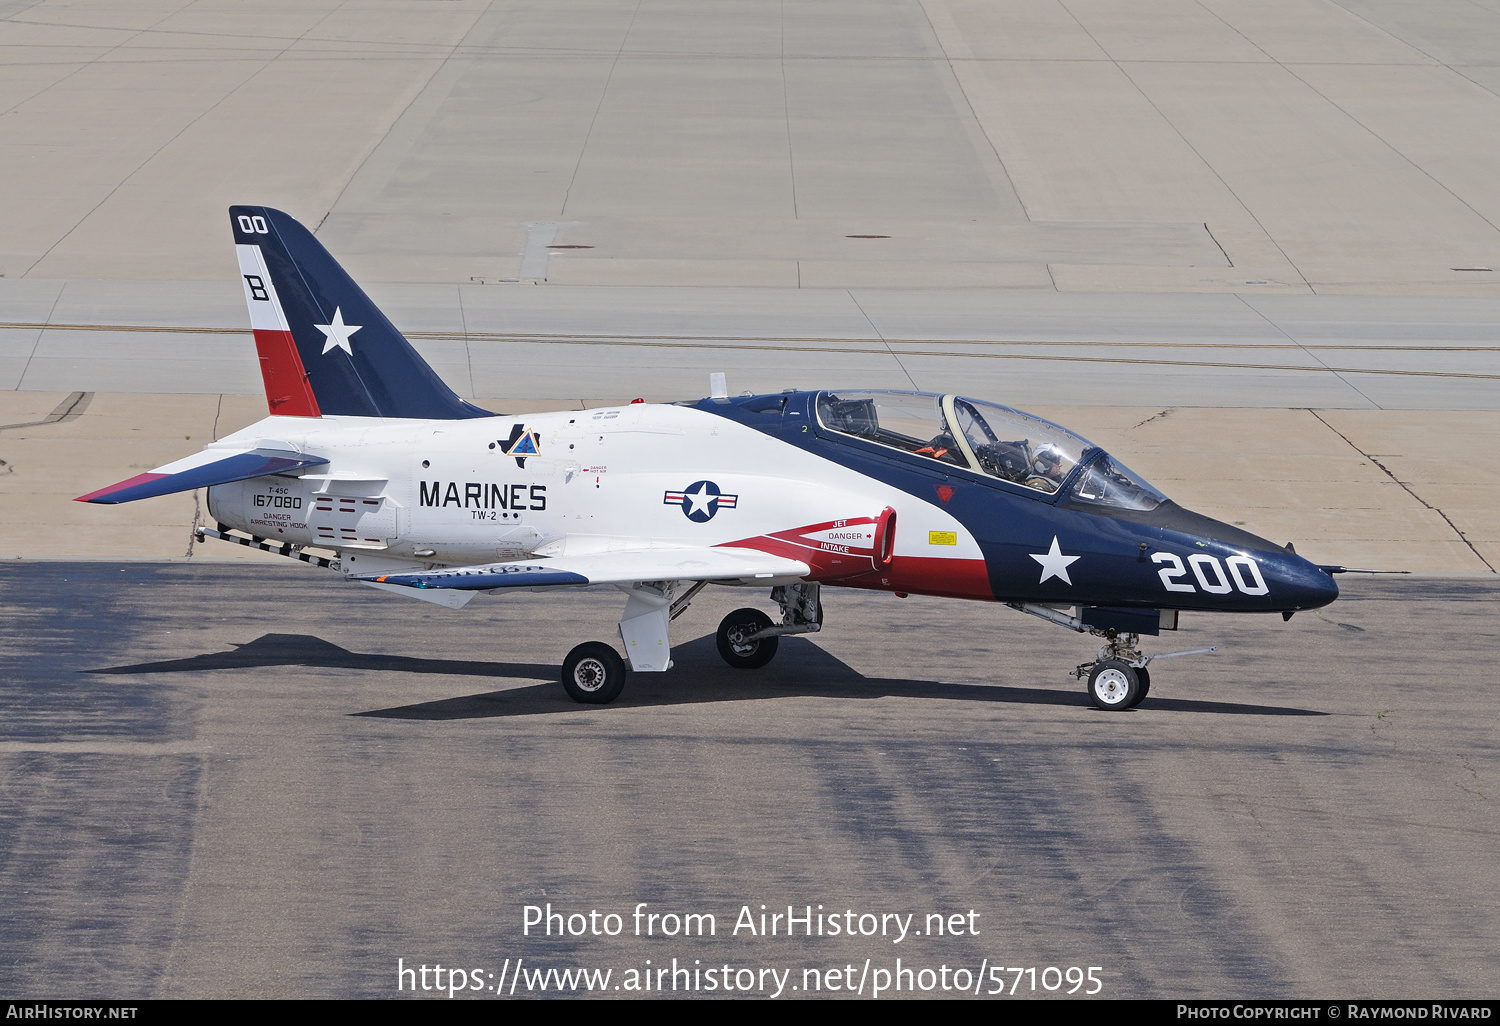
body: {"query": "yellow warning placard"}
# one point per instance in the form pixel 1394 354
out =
pixel 942 538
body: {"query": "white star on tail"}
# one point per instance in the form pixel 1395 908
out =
pixel 338 332
pixel 1054 563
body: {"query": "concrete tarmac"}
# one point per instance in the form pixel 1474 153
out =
pixel 1300 146
pixel 261 781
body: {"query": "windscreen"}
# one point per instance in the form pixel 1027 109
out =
pixel 1016 446
pixel 1108 482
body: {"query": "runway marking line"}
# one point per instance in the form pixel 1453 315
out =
pixel 759 344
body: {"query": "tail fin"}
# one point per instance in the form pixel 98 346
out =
pixel 324 347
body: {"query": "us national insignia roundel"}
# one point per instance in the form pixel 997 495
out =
pixel 701 500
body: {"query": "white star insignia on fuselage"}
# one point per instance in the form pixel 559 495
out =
pixel 338 332
pixel 1054 563
pixel 697 500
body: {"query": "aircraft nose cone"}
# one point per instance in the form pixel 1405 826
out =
pixel 1292 582
pixel 1301 585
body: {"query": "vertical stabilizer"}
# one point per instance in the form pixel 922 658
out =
pixel 324 347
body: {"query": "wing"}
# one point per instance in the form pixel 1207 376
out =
pixel 209 467
pixel 678 564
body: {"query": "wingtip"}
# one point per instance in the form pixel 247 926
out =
pixel 102 495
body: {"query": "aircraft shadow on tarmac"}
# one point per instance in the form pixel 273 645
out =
pixel 305 650
pixel 698 675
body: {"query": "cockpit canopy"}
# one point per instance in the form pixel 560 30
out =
pixel 991 439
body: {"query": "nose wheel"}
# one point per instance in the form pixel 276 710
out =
pixel 1114 684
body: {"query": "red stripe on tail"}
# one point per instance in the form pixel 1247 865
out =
pixel 288 392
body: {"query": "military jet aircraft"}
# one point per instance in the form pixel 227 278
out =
pixel 369 456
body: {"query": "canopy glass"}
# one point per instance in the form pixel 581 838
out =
pixel 991 439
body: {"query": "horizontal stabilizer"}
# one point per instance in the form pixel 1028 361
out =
pixel 210 467
pixel 682 564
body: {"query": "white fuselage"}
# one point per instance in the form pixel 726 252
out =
pixel 399 493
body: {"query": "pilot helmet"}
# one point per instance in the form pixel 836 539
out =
pixel 1046 459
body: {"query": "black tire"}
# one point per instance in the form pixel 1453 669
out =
pixel 1114 685
pixel 741 654
pixel 1144 677
pixel 593 673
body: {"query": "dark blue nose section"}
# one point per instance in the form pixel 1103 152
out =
pixel 1295 583
pixel 1291 582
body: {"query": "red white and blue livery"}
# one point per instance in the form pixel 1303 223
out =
pixel 369 457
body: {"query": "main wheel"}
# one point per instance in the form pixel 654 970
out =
pixel 735 629
pixel 1114 685
pixel 593 673
pixel 1144 677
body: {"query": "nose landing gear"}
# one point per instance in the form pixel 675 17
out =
pixel 1118 678
pixel 1115 684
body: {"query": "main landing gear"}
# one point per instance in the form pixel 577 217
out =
pixel 747 638
pixel 740 640
pixel 594 673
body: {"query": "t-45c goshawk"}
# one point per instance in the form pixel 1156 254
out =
pixel 369 456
